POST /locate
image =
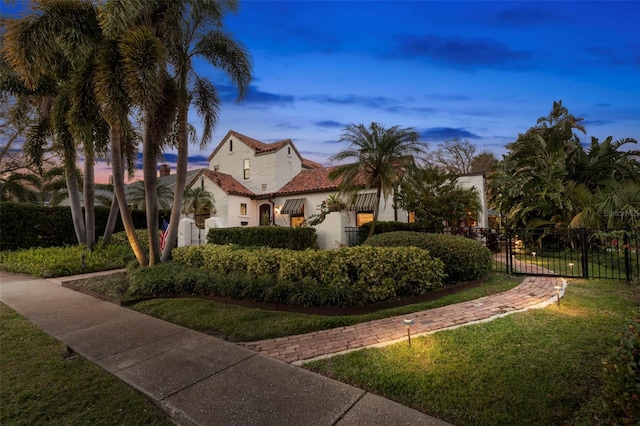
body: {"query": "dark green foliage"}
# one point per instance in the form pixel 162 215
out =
pixel 344 277
pixel 464 259
pixel 267 236
pixel 622 376
pixel 30 225
pixel 383 227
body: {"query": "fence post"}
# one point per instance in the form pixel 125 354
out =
pixel 584 252
pixel 508 253
pixel 627 257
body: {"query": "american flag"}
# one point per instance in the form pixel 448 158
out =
pixel 163 234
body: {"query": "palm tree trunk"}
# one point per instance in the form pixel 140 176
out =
pixel 376 210
pixel 181 168
pixel 150 175
pixel 89 191
pixel 74 204
pixel 111 222
pixel 118 190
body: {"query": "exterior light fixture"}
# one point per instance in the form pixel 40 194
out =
pixel 571 266
pixel 533 253
pixel 277 208
pixel 408 323
pixel 558 288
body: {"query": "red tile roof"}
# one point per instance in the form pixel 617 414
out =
pixel 313 180
pixel 226 182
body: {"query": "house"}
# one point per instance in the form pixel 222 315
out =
pixel 256 183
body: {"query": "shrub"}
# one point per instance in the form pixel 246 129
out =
pixel 464 259
pixel 29 225
pixel 384 227
pixel 622 376
pixel 269 236
pixel 343 277
pixel 61 261
pixel 165 279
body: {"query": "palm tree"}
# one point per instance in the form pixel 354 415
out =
pixel 198 35
pixel 197 200
pixel 381 156
pixel 137 196
pixel 19 187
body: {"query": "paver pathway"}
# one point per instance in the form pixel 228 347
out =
pixel 533 292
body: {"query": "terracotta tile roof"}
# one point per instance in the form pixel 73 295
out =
pixel 308 164
pixel 313 180
pixel 226 182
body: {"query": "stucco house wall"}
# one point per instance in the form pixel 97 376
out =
pixel 477 181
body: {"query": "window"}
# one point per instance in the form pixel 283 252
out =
pixel 246 169
pixel 412 217
pixel 363 217
pixel 230 145
pixel 289 150
pixel 216 168
pixel 296 221
pixel 243 209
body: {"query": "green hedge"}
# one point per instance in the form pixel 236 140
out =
pixel 384 227
pixel 62 261
pixel 268 236
pixel 30 225
pixel 344 277
pixel 464 259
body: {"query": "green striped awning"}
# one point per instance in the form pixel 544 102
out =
pixel 365 202
pixel 295 206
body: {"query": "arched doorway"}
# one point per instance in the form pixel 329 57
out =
pixel 265 214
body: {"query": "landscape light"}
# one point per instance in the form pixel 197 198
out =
pixel 558 288
pixel 408 323
pixel 571 266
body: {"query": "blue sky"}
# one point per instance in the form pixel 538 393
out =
pixel 482 71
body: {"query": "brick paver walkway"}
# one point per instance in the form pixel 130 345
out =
pixel 533 292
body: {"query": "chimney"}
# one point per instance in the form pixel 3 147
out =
pixel 165 170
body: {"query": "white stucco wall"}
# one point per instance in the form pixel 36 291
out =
pixel 478 182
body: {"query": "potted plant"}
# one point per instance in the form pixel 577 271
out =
pixel 334 203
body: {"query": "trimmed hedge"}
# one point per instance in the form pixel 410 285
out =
pixel 49 262
pixel 384 227
pixel 344 277
pixel 464 259
pixel 31 225
pixel 265 236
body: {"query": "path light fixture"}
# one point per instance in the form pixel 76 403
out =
pixel 408 323
pixel 533 254
pixel 571 266
pixel 558 288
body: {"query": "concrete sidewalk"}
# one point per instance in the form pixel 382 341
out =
pixel 197 379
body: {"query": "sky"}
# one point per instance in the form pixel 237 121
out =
pixel 482 71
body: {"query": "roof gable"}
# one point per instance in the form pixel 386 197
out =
pixel 226 182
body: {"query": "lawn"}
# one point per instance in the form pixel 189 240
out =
pixel 541 367
pixel 44 384
pixel 240 324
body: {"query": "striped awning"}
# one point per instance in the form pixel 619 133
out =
pixel 295 206
pixel 365 202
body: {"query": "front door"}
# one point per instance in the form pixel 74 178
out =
pixel 265 214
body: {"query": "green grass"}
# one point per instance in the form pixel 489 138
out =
pixel 42 384
pixel 541 367
pixel 240 324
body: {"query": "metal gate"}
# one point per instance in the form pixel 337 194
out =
pixel 579 253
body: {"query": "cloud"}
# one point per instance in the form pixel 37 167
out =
pixel 520 16
pixel 254 96
pixel 446 133
pixel 367 101
pixel 621 57
pixel 588 123
pixel 465 53
pixel 329 124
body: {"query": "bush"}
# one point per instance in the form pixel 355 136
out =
pixel 62 261
pixel 464 259
pixel 268 236
pixel 30 225
pixel 344 277
pixel 165 279
pixel 622 376
pixel 384 227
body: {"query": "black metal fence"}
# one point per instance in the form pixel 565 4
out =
pixel 578 253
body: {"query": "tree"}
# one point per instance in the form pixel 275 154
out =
pixel 483 162
pixel 137 196
pixel 198 35
pixel 435 198
pixel 549 179
pixel 454 156
pixel 381 157
pixel 196 200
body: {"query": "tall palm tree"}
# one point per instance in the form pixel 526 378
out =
pixel 381 157
pixel 198 35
